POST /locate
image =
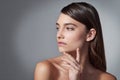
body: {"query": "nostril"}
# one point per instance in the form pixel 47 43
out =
pixel 60 36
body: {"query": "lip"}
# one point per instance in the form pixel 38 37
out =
pixel 61 43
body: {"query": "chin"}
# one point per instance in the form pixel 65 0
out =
pixel 66 50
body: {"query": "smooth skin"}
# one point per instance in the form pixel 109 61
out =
pixel 74 63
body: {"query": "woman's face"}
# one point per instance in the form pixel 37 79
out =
pixel 71 34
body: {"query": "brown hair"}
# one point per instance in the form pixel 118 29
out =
pixel 85 13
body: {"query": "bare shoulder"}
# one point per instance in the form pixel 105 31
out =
pixel 44 65
pixel 42 70
pixel 46 70
pixel 107 76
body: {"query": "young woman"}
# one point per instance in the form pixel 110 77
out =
pixel 80 41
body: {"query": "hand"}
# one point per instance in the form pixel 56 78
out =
pixel 73 65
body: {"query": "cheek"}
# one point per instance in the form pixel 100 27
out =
pixel 76 41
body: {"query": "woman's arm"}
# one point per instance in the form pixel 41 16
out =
pixel 42 71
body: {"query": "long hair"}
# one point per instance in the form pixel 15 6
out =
pixel 86 14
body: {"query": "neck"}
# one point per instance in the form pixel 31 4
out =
pixel 84 60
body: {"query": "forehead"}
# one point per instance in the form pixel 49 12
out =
pixel 64 19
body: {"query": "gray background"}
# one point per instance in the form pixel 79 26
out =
pixel 28 34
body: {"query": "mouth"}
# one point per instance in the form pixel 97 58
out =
pixel 61 44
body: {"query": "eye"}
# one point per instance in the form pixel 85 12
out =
pixel 57 28
pixel 70 28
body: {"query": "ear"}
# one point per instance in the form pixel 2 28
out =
pixel 91 34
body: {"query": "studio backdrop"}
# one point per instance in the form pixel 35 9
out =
pixel 28 34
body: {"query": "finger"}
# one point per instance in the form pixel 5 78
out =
pixel 77 55
pixel 69 57
pixel 68 62
pixel 71 66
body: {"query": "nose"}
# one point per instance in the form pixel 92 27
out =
pixel 60 35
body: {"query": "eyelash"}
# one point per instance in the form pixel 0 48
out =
pixel 71 29
pixel 57 28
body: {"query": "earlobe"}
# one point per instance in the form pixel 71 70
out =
pixel 91 34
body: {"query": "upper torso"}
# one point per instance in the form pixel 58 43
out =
pixel 58 72
pixel 61 73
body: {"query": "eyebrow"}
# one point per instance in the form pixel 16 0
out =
pixel 68 24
